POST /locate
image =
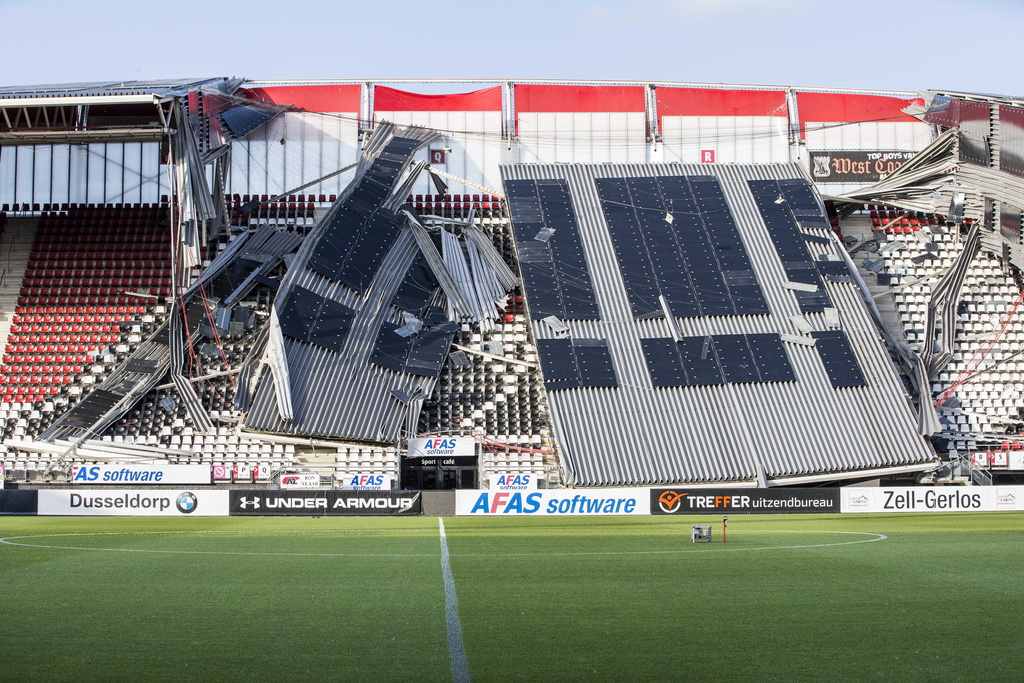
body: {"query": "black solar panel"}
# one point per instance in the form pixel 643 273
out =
pixel 683 259
pixel 663 362
pixel 778 202
pixel 594 363
pixel 430 349
pixel 558 364
pixel 770 358
pixel 555 273
pixel 311 318
pixel 717 359
pixel 800 197
pixel 736 358
pixel 352 249
pixel 245 119
pixel 422 354
pixel 635 262
pixel 417 287
pixel 574 363
pixel 700 361
pixel 362 232
pixel 840 362
pixel 832 267
pixel 391 349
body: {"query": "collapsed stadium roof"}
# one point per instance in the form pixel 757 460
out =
pixel 364 318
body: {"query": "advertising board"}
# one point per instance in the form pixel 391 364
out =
pixel 932 499
pixel 18 502
pixel 557 502
pixel 363 482
pixel 683 501
pixel 131 503
pixel 325 503
pixel 147 475
pixel 439 447
pixel 513 482
pixel 846 166
pixel 300 481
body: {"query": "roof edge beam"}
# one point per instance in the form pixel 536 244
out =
pixel 78 100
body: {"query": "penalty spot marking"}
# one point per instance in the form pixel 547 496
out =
pixel 14 541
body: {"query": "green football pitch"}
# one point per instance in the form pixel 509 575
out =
pixel 853 597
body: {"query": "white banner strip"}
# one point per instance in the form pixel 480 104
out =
pixel 130 503
pixel 146 475
pixel 932 499
pixel 554 502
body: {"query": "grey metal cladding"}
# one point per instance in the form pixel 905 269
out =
pixel 340 392
pixel 639 433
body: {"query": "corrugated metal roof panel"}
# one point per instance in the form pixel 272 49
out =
pixel 639 434
pixel 342 393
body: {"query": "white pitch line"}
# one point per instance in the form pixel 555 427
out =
pixel 877 537
pixel 460 663
pixel 12 540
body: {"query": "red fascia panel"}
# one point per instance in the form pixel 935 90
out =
pixel 215 104
pixel 321 98
pixel 714 102
pixel 390 99
pixel 836 108
pixel 579 98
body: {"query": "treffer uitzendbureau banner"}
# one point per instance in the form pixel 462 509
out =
pixel 682 501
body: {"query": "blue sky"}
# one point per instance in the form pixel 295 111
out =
pixel 870 44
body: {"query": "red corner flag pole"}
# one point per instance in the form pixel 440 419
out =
pixel 724 520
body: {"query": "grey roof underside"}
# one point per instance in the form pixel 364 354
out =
pixel 638 434
pixel 100 89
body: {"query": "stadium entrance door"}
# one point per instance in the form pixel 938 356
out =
pixel 432 474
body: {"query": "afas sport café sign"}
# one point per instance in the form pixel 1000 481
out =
pixel 552 502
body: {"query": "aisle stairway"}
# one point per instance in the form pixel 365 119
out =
pixel 15 247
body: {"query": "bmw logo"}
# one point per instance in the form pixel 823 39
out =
pixel 187 503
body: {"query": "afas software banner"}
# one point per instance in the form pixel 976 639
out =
pixel 437 447
pixel 140 474
pixel 554 502
pixel 163 503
